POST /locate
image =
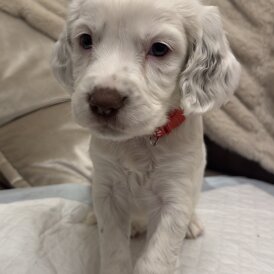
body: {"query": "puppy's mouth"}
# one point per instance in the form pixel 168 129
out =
pixel 130 121
pixel 108 126
pixel 119 128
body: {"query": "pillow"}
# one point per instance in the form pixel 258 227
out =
pixel 45 147
pixel 39 142
pixel 26 81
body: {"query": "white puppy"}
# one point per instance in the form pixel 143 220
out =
pixel 131 65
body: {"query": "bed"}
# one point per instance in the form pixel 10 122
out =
pixel 48 230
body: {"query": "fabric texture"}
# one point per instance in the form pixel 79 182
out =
pixel 55 235
pixel 74 192
pixel 45 147
pixel 246 124
pixel 39 142
pixel 26 80
pixel 10 173
pixel 47 16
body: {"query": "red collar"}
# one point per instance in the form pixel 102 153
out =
pixel 175 118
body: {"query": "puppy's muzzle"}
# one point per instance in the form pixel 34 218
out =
pixel 106 102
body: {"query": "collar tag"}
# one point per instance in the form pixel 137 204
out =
pixel 175 118
pixel 153 140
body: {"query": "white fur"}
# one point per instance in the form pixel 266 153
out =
pixel 132 177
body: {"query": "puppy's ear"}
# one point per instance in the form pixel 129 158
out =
pixel 61 61
pixel 212 73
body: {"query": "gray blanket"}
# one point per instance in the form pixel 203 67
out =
pixel 246 124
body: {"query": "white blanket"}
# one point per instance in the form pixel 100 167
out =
pixel 52 235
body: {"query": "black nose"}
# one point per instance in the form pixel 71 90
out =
pixel 106 102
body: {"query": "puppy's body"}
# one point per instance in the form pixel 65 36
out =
pixel 161 183
pixel 128 64
pixel 140 171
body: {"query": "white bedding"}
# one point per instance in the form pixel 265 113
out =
pixel 53 236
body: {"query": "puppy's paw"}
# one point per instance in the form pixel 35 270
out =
pixel 195 228
pixel 138 227
pixel 91 219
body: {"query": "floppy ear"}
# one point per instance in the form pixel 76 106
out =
pixel 212 72
pixel 61 61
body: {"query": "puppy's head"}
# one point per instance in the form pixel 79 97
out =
pixel 128 63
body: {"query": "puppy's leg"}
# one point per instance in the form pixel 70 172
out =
pixel 138 226
pixel 114 229
pixel 91 219
pixel 195 228
pixel 172 211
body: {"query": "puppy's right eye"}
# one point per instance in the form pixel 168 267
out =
pixel 85 41
pixel 159 49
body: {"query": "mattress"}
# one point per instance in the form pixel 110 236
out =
pixel 48 230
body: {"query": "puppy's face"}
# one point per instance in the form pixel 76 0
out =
pixel 126 59
pixel 128 63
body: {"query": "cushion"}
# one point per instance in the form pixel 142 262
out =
pixel 45 147
pixel 39 142
pixel 54 234
pixel 27 83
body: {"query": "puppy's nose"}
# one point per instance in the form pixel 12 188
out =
pixel 106 101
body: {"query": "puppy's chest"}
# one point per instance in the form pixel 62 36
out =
pixel 138 164
pixel 136 157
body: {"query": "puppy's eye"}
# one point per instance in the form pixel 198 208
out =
pixel 85 41
pixel 159 50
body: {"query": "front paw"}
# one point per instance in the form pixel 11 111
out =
pixel 195 228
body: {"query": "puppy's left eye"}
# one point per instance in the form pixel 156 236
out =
pixel 159 50
pixel 85 41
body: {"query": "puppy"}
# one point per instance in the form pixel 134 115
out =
pixel 141 74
